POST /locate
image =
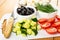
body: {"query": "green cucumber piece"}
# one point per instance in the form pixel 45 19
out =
pixel 29 31
pixel 34 19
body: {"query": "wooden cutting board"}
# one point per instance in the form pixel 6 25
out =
pixel 6 6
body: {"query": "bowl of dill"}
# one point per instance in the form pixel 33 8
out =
pixel 45 11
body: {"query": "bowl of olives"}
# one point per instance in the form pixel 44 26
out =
pixel 25 12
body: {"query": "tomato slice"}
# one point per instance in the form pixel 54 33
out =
pixel 46 25
pixel 56 24
pixel 58 17
pixel 42 20
pixel 51 30
pixel 51 20
pixel 58 29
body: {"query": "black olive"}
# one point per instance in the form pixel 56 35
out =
pixel 29 12
pixel 22 7
pixel 18 10
pixel 25 11
pixel 32 10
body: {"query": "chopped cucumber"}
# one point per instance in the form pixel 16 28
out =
pixel 17 24
pixel 33 23
pixel 16 29
pixel 18 32
pixel 22 23
pixel 34 27
pixel 29 31
pixel 34 19
pixel 38 27
pixel 26 25
pixel 24 35
pixel 24 31
pixel 33 33
pixel 28 21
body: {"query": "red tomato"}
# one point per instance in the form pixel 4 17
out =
pixel 56 24
pixel 51 20
pixel 58 29
pixel 56 20
pixel 51 30
pixel 46 25
pixel 58 17
pixel 42 20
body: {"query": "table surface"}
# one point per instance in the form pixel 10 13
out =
pixel 8 6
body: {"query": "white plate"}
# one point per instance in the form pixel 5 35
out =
pixel 41 33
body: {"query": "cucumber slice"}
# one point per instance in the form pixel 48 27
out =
pixel 33 23
pixel 17 24
pixel 16 29
pixel 29 31
pixel 24 35
pixel 24 31
pixel 18 32
pixel 22 23
pixel 38 27
pixel 33 33
pixel 28 21
pixel 34 19
pixel 34 27
pixel 26 25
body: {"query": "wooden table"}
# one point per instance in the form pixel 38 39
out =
pixel 8 6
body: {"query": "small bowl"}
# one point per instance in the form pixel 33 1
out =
pixel 22 16
pixel 45 15
pixel 58 12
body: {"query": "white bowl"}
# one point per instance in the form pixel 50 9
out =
pixel 21 16
pixel 45 15
pixel 58 12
